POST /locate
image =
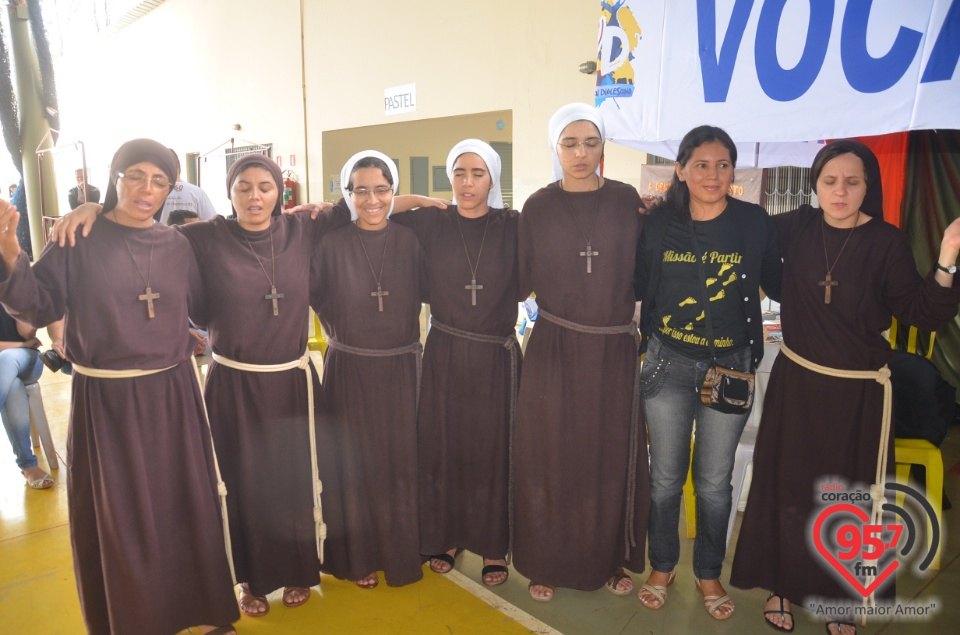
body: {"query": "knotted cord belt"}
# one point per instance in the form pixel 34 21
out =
pixel 510 343
pixel 882 377
pixel 320 528
pixel 416 349
pixel 629 537
pixel 99 373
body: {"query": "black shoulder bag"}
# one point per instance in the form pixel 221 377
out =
pixel 724 389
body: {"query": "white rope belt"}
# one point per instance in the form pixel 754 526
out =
pixel 320 528
pixel 100 373
pixel 882 377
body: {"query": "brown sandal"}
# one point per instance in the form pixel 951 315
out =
pixel 247 598
pixel 289 591
pixel 369 582
pixel 615 580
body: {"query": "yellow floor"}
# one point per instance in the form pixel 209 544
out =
pixel 38 593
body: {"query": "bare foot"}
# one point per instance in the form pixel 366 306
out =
pixel 369 582
pixel 442 566
pixel 620 583
pixel 252 605
pixel 495 577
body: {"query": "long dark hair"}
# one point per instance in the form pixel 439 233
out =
pixel 678 195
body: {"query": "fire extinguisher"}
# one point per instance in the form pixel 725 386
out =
pixel 289 189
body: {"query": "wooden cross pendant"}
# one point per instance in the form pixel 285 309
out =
pixel 274 296
pixel 826 284
pixel 589 254
pixel 379 293
pixel 472 287
pixel 149 296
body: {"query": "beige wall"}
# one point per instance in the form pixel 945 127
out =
pixel 241 61
pixel 430 138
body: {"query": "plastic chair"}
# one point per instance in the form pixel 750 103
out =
pixel 919 452
pixel 316 340
pixel 39 427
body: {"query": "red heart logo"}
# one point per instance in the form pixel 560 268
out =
pixel 829 557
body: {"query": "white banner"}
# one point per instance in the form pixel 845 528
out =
pixel 777 70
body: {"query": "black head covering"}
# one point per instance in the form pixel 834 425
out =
pixel 259 161
pixel 138 151
pixel 873 201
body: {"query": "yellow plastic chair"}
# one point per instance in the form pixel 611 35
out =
pixel 316 340
pixel 690 499
pixel 920 452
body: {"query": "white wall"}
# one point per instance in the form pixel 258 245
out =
pixel 183 75
pixel 188 70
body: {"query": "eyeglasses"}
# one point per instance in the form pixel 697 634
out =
pixel 571 145
pixel 139 179
pixel 380 191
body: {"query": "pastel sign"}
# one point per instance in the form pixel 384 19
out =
pixel 400 99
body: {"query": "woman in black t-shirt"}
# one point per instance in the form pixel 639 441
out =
pixel 737 246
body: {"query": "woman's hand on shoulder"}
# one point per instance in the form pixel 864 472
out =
pixel 315 209
pixel 65 229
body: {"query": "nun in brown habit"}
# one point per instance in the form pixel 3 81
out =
pixel 145 526
pixel 805 442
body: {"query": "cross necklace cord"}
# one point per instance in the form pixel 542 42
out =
pixel 473 286
pixel 273 296
pixel 589 253
pixel 379 293
pixel 828 283
pixel 148 295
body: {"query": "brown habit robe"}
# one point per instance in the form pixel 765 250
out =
pixel 464 421
pixel 572 442
pixel 260 420
pixel 817 428
pixel 367 440
pixel 145 526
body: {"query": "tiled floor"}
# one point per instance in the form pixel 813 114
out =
pixel 37 592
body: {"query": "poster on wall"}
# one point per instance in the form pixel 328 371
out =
pixel 776 71
pixel 655 179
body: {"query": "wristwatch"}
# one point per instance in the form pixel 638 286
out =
pixel 952 269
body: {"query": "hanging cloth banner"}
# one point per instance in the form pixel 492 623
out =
pixel 776 71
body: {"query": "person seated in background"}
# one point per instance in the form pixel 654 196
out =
pixel 20 365
pixel 83 192
pixel 186 196
pixel 182 217
pixel 54 358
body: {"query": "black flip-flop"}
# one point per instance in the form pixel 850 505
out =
pixel 493 568
pixel 446 557
pixel 783 613
pixel 839 624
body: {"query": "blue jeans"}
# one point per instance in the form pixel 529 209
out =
pixel 18 366
pixel 670 384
